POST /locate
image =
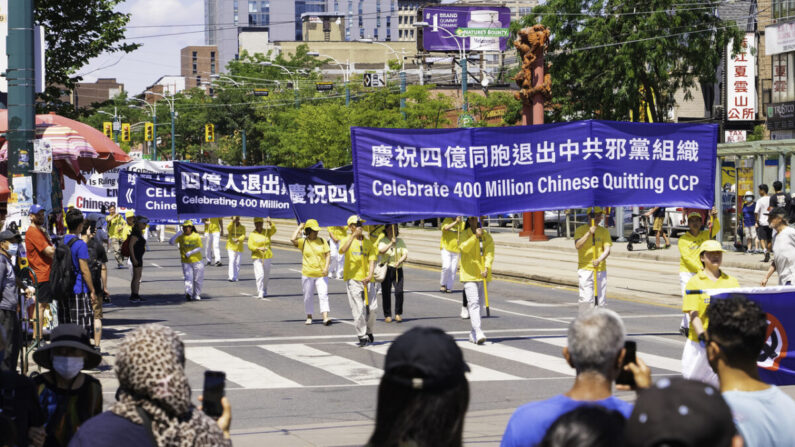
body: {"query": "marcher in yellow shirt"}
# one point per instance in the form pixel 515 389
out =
pixel 235 237
pixel 360 257
pixel 259 242
pixel 314 268
pixel 336 234
pixel 477 258
pixel 115 225
pixel 392 250
pixel 694 358
pixel 451 238
pixel 190 251
pixel 689 245
pixel 213 231
pixel 588 238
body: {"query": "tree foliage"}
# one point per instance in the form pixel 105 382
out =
pixel 610 57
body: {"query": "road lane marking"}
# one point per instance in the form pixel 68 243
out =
pixel 458 300
pixel 534 304
pixel 477 373
pixel 655 361
pixel 244 373
pixel 348 369
pixel 530 358
pixel 155 265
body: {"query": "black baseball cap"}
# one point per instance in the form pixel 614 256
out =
pixel 425 358
pixel 680 412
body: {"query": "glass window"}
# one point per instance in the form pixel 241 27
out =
pixel 198 81
pixel 252 6
pixel 783 81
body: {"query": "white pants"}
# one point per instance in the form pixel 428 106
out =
pixel 474 293
pixel 337 262
pixel 262 271
pixel 695 365
pixel 586 289
pixel 212 248
pixel 161 232
pixel 234 264
pixel 449 267
pixel 194 276
pixel 309 285
pixel 684 277
pixel 363 323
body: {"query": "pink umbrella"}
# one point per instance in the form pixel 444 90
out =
pixel 66 143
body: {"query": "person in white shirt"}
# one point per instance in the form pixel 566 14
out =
pixel 763 231
pixel 783 249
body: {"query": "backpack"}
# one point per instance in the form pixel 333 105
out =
pixel 62 272
pixel 125 248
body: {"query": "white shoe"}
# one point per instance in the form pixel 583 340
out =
pixel 480 338
pixel 308 321
pixel 464 313
pixel 198 298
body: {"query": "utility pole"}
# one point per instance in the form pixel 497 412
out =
pixel 21 111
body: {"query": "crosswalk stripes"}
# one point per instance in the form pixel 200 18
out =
pixel 530 358
pixel 242 372
pixel 653 361
pixel 477 373
pixel 352 370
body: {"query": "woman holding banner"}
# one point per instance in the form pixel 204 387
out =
pixel 314 268
pixel 393 249
pixel 190 252
pixel 593 244
pixel 235 236
pixel 477 257
pixel 451 237
pixel 360 257
pixel 336 234
pixel 259 242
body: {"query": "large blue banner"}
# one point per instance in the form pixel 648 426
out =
pixel 205 190
pixel 321 194
pixel 483 171
pixel 777 360
pixel 155 199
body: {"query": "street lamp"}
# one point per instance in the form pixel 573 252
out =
pixel 293 76
pixel 170 102
pixel 227 78
pixel 116 123
pixel 345 74
pixel 153 111
pixel 463 58
pixel 402 72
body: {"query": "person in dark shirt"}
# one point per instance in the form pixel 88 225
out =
pixel 21 418
pixel 137 249
pixel 67 396
pixel 97 264
pixel 658 213
pixel 749 222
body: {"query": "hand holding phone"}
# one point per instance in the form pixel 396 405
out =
pixel 625 377
pixel 214 382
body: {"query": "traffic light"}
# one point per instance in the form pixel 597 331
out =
pixel 125 131
pixel 149 131
pixel 107 129
pixel 209 133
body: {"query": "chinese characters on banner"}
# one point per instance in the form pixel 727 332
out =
pixel 205 190
pixel 484 171
pixel 322 194
pixel 741 81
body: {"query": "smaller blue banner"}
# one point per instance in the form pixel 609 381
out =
pixel 205 190
pixel 155 199
pixel 127 180
pixel 321 194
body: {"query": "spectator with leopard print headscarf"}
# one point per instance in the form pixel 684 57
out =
pixel 153 402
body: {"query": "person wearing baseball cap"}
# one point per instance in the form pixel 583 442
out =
pixel 360 257
pixel 587 239
pixel 40 251
pixel 423 394
pixel 689 244
pixel 783 249
pixel 190 253
pixel 749 222
pixel 694 357
pixel 259 242
pixel 315 254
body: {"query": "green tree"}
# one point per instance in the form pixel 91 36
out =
pixel 608 57
pixel 480 106
pixel 77 31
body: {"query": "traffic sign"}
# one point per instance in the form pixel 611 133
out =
pixel 324 86
pixel 261 92
pixel 373 80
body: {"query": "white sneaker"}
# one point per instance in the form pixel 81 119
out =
pixel 480 338
pixel 308 321
pixel 198 298
pixel 464 313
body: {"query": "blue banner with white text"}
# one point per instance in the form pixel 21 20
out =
pixel 321 194
pixel 205 190
pixel 484 171
pixel 776 361
pixel 127 181
pixel 155 199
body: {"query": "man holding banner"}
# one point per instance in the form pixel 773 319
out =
pixel 451 237
pixel 689 245
pixel 593 243
pixel 213 231
pixel 477 257
pixel 360 256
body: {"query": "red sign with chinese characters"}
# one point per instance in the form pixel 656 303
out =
pixel 741 81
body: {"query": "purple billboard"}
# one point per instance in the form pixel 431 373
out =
pixel 476 28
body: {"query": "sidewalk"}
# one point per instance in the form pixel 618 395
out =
pixel 640 275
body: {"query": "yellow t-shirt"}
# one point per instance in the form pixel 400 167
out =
pixel 452 238
pixel 235 236
pixel 314 256
pixel 392 255
pixel 688 248
pixel 585 255
pixel 700 301
pixel 338 233
pixel 115 225
pixel 213 225
pixel 357 258
pixel 125 230
pixel 188 243
pixel 472 264
pixel 261 241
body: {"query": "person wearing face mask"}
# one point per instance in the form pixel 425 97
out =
pixel 67 396
pixel 10 335
pixel 749 223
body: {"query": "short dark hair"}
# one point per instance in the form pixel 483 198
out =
pixel 777 186
pixel 739 326
pixel 73 220
pixel 778 211
pixel 591 425
pixel 763 187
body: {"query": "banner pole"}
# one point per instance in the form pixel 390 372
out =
pixel 364 264
pixel 485 283
pixel 596 268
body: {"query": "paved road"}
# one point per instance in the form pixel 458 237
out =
pixel 309 385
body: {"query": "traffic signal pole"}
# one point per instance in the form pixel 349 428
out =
pixel 21 111
pixel 154 136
